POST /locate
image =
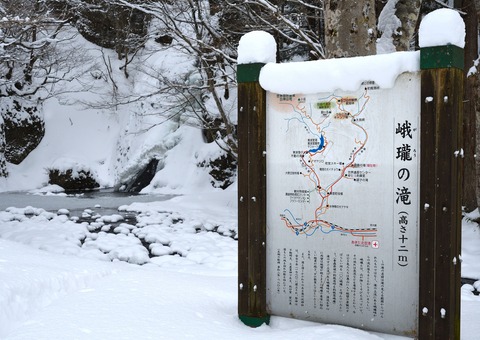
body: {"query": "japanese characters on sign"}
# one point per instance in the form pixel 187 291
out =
pixel 406 184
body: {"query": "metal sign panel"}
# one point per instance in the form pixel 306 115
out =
pixel 342 208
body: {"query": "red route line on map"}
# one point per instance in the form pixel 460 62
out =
pixel 323 208
pixel 315 224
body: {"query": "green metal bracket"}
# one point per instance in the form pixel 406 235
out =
pixel 448 56
pixel 254 321
pixel 247 73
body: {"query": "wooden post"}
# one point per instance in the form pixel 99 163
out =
pixel 251 196
pixel 440 191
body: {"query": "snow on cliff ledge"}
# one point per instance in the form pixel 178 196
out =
pixel 440 27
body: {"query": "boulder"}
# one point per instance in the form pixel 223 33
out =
pixel 73 180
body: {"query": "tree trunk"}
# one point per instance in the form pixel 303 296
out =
pixel 408 12
pixel 350 28
pixel 477 148
pixel 3 164
pixel 470 107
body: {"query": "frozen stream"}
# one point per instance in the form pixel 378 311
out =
pixel 101 200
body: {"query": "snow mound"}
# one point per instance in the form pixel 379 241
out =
pixel 50 189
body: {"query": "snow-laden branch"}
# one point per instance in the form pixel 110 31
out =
pixel 443 4
pixel 8 21
pixel 303 36
pixel 198 37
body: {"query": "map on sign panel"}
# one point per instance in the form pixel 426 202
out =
pixel 329 158
pixel 342 202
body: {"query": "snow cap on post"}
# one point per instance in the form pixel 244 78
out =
pixel 255 49
pixel 441 38
pixel 442 27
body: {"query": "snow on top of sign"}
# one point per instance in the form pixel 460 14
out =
pixel 257 47
pixel 442 27
pixel 337 74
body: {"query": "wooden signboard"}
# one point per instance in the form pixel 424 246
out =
pixel 349 202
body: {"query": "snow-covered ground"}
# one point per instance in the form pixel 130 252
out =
pixel 61 279
pixel 172 273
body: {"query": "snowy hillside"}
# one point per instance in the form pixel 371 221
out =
pixel 113 126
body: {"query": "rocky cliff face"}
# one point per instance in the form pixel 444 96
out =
pixel 112 26
pixel 23 128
